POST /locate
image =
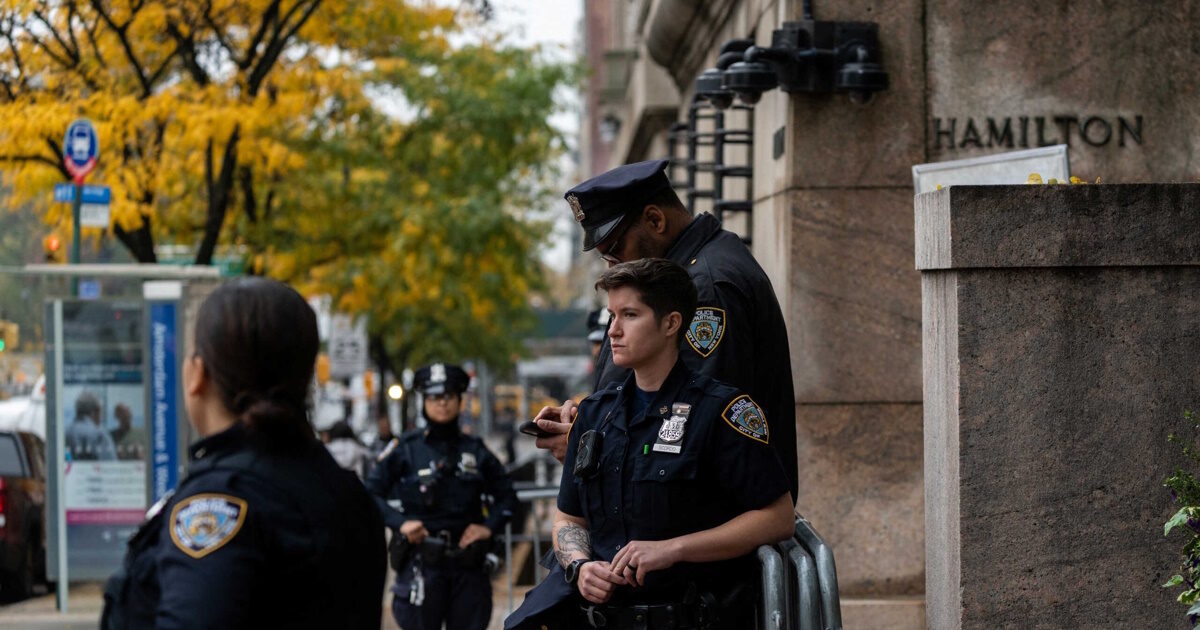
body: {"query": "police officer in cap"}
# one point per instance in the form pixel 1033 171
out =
pixel 430 485
pixel 669 483
pixel 266 531
pixel 737 334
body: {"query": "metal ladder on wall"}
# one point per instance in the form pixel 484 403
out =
pixel 716 137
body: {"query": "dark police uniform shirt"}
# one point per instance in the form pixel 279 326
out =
pixel 724 467
pixel 738 334
pixel 255 538
pixel 437 475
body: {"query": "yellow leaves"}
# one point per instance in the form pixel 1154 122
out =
pixel 1035 178
pixel 281 264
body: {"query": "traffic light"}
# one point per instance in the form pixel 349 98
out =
pixel 52 246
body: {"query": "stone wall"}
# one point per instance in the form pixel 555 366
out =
pixel 1061 337
pixel 833 225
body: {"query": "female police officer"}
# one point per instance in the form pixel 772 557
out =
pixel 430 483
pixel 669 481
pixel 266 531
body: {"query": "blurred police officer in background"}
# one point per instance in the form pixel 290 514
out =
pixel 383 435
pixel 597 324
pixel 266 531
pixel 737 334
pixel 669 483
pixel 430 484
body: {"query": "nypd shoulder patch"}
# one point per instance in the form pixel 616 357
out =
pixel 203 523
pixel 706 330
pixel 747 418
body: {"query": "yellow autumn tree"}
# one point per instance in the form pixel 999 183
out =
pixel 348 147
pixel 188 98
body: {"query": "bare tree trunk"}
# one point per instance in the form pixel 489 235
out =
pixel 219 192
pixel 139 242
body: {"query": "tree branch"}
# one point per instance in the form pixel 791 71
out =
pixel 91 33
pixel 16 55
pixel 270 16
pixel 72 54
pixel 277 44
pixel 71 30
pixel 28 158
pixel 249 203
pixel 218 198
pixel 186 47
pixel 218 33
pixel 122 36
pixel 139 242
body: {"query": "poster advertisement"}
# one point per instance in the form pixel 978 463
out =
pixel 104 426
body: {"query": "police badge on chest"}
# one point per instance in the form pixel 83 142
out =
pixel 670 434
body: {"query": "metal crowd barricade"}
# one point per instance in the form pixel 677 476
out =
pixel 809 600
pixel 531 495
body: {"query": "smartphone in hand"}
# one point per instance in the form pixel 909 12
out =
pixel 531 428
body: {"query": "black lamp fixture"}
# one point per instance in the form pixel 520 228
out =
pixel 805 56
pixel 709 85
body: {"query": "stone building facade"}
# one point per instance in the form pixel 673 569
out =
pixel 831 215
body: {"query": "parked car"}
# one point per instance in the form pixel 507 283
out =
pixel 22 513
pixel 26 413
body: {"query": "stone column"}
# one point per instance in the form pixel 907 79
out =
pixel 1061 331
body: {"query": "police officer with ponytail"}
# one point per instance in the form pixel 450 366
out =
pixel 430 484
pixel 266 531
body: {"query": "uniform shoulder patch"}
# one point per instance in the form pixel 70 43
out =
pixel 747 418
pixel 706 330
pixel 203 523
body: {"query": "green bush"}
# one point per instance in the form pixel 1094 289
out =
pixel 1185 488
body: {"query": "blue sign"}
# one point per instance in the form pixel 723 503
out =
pixel 89 289
pixel 97 194
pixel 163 376
pixel 81 145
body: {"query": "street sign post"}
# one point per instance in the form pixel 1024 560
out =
pixel 81 150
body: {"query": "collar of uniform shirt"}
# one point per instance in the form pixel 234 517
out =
pixel 693 237
pixel 666 394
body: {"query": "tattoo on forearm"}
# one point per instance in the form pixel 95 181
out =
pixel 572 538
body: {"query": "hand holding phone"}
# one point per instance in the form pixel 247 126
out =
pixel 531 428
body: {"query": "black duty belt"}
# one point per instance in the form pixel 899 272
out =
pixel 440 551
pixel 674 616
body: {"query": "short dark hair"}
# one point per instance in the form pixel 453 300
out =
pixel 663 285
pixel 667 198
pixel 258 339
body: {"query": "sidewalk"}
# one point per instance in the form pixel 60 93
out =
pixel 86 601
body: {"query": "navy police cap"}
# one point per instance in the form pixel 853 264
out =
pixel 603 202
pixel 440 378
